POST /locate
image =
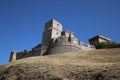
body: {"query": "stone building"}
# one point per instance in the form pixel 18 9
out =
pixel 98 39
pixel 54 41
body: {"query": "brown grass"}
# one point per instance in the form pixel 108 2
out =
pixel 68 65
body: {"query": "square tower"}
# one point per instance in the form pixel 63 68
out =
pixel 52 30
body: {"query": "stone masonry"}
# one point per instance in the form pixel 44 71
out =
pixel 54 41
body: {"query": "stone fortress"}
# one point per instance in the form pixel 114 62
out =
pixel 54 41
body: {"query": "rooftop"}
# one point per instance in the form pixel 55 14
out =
pixel 100 36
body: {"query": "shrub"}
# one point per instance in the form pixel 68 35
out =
pixel 99 76
pixel 103 45
pixel 56 78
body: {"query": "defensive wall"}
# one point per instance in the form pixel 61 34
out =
pixel 54 40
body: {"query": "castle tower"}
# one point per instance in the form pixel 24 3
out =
pixel 13 56
pixel 52 30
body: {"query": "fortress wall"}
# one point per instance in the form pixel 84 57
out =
pixel 86 46
pixel 21 55
pixel 62 49
pixel 67 41
pixel 62 45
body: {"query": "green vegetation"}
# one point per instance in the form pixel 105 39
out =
pixel 56 78
pixel 104 45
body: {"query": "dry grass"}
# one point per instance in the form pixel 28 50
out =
pixel 68 64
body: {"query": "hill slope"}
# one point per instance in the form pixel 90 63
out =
pixel 83 65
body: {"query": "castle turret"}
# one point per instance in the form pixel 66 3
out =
pixel 52 30
pixel 13 56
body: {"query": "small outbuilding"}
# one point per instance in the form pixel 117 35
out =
pixel 98 39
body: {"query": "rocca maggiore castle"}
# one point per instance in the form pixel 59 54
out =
pixel 54 41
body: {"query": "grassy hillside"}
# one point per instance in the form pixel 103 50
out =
pixel 81 65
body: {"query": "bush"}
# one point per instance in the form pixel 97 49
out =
pixel 56 78
pixel 108 44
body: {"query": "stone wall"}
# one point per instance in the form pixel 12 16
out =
pixel 13 56
pixel 19 55
pixel 67 44
pixel 62 49
pixel 64 44
pixel 24 54
pixel 87 47
pixel 52 30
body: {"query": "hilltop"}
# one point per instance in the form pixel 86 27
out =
pixel 81 65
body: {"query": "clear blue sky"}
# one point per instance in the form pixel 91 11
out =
pixel 22 21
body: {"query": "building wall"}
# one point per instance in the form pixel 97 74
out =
pixel 13 56
pixel 57 25
pixel 46 37
pixel 94 42
pixel 97 39
pixel 62 49
pixel 68 33
pixel 19 55
pixel 32 53
pixel 62 45
pixel 55 33
pixel 86 47
pixel 102 40
pixel 52 30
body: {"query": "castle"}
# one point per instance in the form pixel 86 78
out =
pixel 54 41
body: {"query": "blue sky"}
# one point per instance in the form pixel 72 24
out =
pixel 22 21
